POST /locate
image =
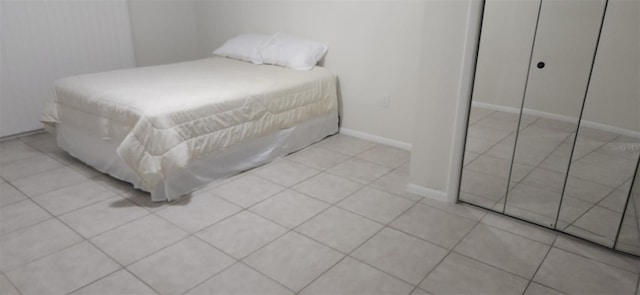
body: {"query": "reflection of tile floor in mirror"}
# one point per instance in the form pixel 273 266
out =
pixel 596 188
pixel 347 227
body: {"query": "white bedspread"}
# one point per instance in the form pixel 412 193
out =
pixel 166 116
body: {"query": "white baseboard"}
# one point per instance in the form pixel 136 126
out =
pixel 562 118
pixel 21 134
pixel 427 192
pixel 495 107
pixel 377 139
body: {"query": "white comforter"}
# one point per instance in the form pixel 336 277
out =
pixel 166 116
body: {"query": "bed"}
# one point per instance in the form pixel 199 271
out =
pixel 174 128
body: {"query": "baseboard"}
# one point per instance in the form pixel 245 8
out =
pixel 562 118
pixel 495 107
pixel 427 192
pixel 377 139
pixel 21 134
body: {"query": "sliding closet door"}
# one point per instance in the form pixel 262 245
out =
pixel 608 140
pixel 508 29
pixel 563 52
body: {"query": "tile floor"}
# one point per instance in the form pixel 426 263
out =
pixel 331 219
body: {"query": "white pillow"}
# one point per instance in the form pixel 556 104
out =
pixel 292 52
pixel 244 47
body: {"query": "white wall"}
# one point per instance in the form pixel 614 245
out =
pixel 614 94
pixel 374 48
pixel 164 31
pixel 449 37
pixel 46 40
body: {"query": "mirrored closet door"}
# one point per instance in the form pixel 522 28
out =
pixel 554 123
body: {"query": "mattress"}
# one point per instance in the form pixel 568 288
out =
pixel 163 118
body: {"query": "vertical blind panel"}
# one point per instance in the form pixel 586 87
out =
pixel 44 40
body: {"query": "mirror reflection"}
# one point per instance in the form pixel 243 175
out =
pixel 554 126
pixel 629 236
pixel 508 29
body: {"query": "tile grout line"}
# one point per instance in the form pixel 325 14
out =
pixel 539 265
pixel 443 258
pixel 293 229
pixel 84 239
pixel 354 249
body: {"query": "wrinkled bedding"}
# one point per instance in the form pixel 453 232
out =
pixel 164 117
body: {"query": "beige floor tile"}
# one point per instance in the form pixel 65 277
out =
pixel 434 225
pixel 489 134
pixel 377 205
pixel 504 250
pixel 588 191
pixel 347 145
pixel 483 185
pixel 63 272
pixel 239 280
pixel 9 194
pixel 247 190
pixel 6 287
pixel 537 289
pixel 615 200
pixel 598 253
pixel 339 229
pixel 120 282
pixel 197 212
pixel 241 234
pixel 41 141
pixel 587 276
pixel 395 182
pixel 289 208
pixel 28 244
pixel 499 167
pixel 293 260
pixel 180 267
pixel 72 197
pixel 460 209
pixel 318 158
pixel 47 181
pixel 137 239
pixel 386 156
pixel 601 221
pixel 480 201
pixel 548 179
pixel 359 170
pixel 462 275
pixel 29 166
pixel 353 277
pixel 521 228
pixel 603 168
pixel 479 145
pixel 113 184
pixel 19 215
pixel 469 157
pixel 285 172
pixel 102 216
pixel 14 150
pixel 401 255
pixel 328 187
pixel 419 291
pixel 477 113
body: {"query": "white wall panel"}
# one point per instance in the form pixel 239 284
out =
pixel 164 31
pixel 46 40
